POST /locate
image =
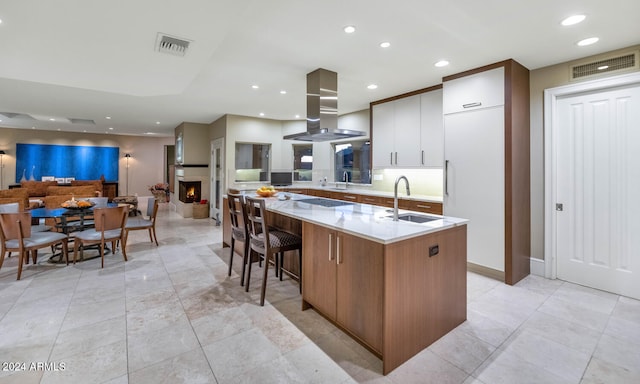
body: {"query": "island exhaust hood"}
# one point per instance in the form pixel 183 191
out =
pixel 322 109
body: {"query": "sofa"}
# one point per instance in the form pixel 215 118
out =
pixel 15 195
pixel 40 189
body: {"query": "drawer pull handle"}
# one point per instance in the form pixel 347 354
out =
pixel 330 248
pixel 349 197
pixel 337 249
pixel 471 105
pixel 423 206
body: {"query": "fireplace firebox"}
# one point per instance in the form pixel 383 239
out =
pixel 189 191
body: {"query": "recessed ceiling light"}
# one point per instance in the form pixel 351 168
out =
pixel 571 20
pixel 261 113
pixel 283 92
pixel 108 117
pixel 254 86
pixel 52 119
pixel 588 41
pixel 441 63
pixel 111 128
pixel 85 131
pixel 372 86
pixel 297 116
pixel 349 29
pixel 385 44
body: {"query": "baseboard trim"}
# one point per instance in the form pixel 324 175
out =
pixel 485 271
pixel 537 267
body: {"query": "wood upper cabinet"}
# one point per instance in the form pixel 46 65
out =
pixel 342 278
pixel 407 130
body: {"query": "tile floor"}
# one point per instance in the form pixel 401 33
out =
pixel 171 315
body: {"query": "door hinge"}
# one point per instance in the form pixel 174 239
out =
pixel 559 207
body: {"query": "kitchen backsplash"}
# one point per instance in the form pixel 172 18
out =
pixel 422 181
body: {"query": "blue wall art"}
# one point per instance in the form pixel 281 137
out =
pixel 33 161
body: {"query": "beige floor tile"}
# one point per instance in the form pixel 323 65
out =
pixel 148 348
pixel 190 368
pixel 95 366
pixel 239 354
pixel 171 314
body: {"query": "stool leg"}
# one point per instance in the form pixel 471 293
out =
pixel 245 260
pixel 233 243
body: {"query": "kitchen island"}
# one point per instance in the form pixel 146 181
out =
pixel 394 286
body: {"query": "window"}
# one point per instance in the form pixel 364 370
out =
pixel 252 162
pixel 352 157
pixel 302 162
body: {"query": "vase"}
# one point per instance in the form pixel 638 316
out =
pixel 161 196
pixel 33 170
pixel 24 175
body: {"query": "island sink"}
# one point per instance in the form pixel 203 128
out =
pixel 413 218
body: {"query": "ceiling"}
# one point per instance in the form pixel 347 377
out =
pixel 86 60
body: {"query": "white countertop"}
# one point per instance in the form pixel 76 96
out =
pixel 363 220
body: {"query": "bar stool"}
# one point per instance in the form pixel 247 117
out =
pixel 239 230
pixel 267 241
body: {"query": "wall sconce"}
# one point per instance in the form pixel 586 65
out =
pixel 127 156
pixel 2 153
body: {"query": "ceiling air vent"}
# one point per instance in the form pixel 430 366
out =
pixel 82 121
pixel 627 62
pixel 172 45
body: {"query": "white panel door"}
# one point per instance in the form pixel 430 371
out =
pixel 474 181
pixel 598 184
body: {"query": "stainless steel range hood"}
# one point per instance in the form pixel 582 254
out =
pixel 322 109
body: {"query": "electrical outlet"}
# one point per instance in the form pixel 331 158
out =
pixel 434 250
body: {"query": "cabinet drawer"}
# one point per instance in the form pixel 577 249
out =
pixel 373 200
pixel 421 206
pixel 480 90
pixel 347 197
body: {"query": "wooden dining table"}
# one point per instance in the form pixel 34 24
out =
pixel 68 220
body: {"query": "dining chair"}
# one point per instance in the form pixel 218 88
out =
pixel 268 242
pixel 16 236
pixel 140 223
pixel 239 229
pixel 109 227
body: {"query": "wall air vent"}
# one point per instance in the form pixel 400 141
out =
pixel 172 45
pixel 627 62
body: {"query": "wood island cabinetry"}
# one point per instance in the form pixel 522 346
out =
pixel 342 278
pixel 395 299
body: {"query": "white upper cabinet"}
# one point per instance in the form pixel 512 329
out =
pixel 383 132
pixel 408 132
pixel 431 129
pixel 480 90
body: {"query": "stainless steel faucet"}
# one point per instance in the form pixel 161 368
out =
pixel 345 178
pixel 395 195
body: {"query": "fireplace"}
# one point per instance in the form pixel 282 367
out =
pixel 189 191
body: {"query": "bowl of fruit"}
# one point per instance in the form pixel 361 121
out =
pixel 77 204
pixel 266 191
